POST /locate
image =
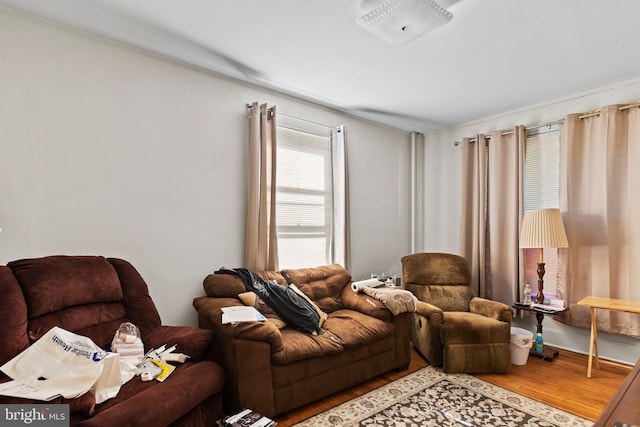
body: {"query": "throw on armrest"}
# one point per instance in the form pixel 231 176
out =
pixel 210 315
pixel 493 309
pixel 365 304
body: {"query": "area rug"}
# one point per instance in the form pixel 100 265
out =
pixel 429 397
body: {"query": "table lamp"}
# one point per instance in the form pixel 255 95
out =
pixel 542 228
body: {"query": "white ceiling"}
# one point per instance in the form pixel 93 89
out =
pixel 495 56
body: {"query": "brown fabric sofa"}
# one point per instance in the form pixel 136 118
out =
pixel 92 296
pixel 273 370
pixel 452 327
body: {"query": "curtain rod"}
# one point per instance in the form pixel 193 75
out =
pixel 308 121
pixel 249 106
pixel 509 132
pixel 620 108
pixel 269 109
pixel 581 116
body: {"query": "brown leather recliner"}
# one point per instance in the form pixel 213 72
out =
pixel 452 327
pixel 92 296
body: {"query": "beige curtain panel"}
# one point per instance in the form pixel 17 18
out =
pixel 600 200
pixel 474 204
pixel 492 212
pixel 505 201
pixel 261 244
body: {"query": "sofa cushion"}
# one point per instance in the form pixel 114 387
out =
pixel 229 286
pixel 343 329
pixel 298 345
pixel 57 282
pixel 355 329
pixel 447 298
pixel 322 284
pixel 81 294
pixel 13 317
pixel 155 403
pixel 470 328
pixel 97 321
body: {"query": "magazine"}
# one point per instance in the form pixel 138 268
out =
pixel 248 418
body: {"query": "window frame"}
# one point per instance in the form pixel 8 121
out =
pixel 305 140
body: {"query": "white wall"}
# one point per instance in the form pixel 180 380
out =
pixel 442 182
pixel 108 150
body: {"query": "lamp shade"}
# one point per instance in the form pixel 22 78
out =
pixel 543 228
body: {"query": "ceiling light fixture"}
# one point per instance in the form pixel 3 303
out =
pixel 401 21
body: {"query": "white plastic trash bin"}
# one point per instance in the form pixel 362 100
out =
pixel 521 342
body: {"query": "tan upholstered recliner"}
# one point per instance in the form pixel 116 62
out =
pixel 451 326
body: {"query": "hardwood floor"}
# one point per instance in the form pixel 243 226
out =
pixel 562 383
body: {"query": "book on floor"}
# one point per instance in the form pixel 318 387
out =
pixel 248 418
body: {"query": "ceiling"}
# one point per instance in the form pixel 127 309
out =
pixel 495 56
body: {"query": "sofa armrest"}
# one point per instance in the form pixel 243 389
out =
pixel 247 364
pixel 425 331
pixel 140 308
pixel 493 309
pixel 210 317
pixel 402 324
pixel 194 342
pixel 365 304
pixel 430 311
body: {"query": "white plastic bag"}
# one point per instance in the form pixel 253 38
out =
pixel 108 383
pixel 62 363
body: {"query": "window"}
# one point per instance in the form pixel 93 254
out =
pixel 542 190
pixel 304 198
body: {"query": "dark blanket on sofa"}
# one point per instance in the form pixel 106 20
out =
pixel 289 305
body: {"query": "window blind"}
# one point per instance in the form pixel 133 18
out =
pixel 542 190
pixel 304 204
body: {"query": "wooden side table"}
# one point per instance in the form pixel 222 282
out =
pixel 548 353
pixel 605 304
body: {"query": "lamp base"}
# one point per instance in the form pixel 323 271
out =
pixel 540 296
pixel 548 354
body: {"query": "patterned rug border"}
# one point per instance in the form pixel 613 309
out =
pixel 366 406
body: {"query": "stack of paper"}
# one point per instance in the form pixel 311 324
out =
pixel 548 307
pixel 241 313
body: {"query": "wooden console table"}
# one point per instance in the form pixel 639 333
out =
pixel 606 304
pixel 623 409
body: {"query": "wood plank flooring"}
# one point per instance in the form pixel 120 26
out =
pixel 562 383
